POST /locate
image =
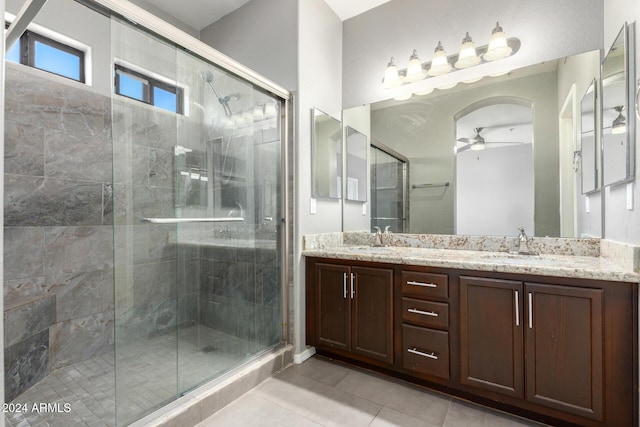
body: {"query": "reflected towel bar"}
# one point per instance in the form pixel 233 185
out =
pixel 187 220
pixel 441 184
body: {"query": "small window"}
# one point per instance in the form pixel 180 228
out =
pixel 44 53
pixel 135 85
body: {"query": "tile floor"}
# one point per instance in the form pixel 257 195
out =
pixel 321 392
pixel 145 379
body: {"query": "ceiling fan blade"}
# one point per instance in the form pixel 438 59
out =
pixel 506 142
pixel 465 148
pixel 467 140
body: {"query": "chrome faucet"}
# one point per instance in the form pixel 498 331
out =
pixel 377 237
pixel 523 248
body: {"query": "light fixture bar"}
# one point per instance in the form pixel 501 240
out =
pixel 512 42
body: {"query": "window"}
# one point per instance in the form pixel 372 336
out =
pixel 44 53
pixel 149 90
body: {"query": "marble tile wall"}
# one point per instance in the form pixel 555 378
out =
pixel 58 250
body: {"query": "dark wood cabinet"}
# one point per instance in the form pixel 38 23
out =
pixel 558 328
pixel 558 350
pixel 353 310
pixel 564 348
pixel 491 337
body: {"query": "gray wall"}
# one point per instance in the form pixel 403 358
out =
pixel 547 29
pixel 262 35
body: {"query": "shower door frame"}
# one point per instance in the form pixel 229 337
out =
pixel 163 29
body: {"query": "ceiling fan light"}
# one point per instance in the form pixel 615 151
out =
pixel 477 146
pixel 498 47
pixel 414 69
pixel 392 77
pixel 439 63
pixel 467 56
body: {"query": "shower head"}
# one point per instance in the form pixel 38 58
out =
pixel 207 77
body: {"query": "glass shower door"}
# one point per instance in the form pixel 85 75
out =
pixel 389 179
pixel 197 195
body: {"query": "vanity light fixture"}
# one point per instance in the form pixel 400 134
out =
pixel 499 47
pixel 403 97
pixel 392 77
pixel 414 69
pixel 424 92
pixel 440 63
pixel 619 125
pixel 467 56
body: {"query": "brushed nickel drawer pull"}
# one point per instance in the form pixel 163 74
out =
pixel 530 311
pixel 344 284
pixel 431 355
pixel 424 313
pixel 517 303
pixel 353 288
pixel 426 285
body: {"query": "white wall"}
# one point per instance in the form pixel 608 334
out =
pixel 620 223
pixel 548 29
pixel 494 191
pixel 149 7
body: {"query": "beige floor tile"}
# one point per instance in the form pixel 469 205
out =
pixel 319 402
pixel 399 396
pixel 390 418
pixel 251 410
pixel 322 370
pixel 463 414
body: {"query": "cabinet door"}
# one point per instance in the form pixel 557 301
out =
pixel 491 335
pixel 564 366
pixel 333 306
pixel 372 316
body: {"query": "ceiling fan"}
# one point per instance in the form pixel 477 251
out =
pixel 477 142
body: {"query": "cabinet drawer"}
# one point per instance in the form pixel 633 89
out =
pixel 425 285
pixel 425 313
pixel 425 351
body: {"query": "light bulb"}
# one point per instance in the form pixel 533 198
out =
pixel 424 92
pixel 440 63
pixel 414 69
pixel 258 113
pixel 392 77
pixel 467 56
pixel 477 146
pixel 498 47
pixel 403 97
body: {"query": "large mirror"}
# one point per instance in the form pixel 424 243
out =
pixel 326 155
pixel 357 148
pixel 526 174
pixel 589 152
pixel 618 127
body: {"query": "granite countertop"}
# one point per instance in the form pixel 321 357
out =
pixel 571 266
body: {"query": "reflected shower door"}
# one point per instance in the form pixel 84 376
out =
pixel 389 179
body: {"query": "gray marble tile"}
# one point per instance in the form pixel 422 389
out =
pixel 154 281
pixel 37 201
pixel 25 364
pixel 27 316
pixel 321 370
pixel 78 294
pixel 161 168
pixel 78 249
pixel 28 286
pixel 23 149
pixel 107 204
pixel 80 339
pixel 24 253
pixel 76 157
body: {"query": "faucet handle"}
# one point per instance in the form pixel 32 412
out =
pixel 521 229
pixel 387 229
pixel 377 229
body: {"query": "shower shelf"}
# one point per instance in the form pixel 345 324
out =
pixel 186 220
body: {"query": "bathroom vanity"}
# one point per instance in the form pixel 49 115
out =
pixel 550 337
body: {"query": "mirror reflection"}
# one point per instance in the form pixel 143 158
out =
pixel 357 148
pixel 617 139
pixel 326 146
pixel 589 153
pixel 515 180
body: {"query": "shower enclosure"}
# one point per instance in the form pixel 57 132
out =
pixel 161 206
